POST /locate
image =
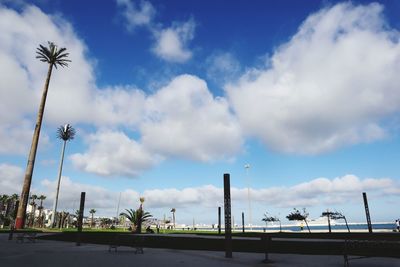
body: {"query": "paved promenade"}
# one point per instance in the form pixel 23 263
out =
pixel 45 253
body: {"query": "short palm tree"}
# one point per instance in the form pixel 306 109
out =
pixel 65 133
pixel 54 57
pixel 136 217
pixel 297 215
pixel 268 219
pixel 92 212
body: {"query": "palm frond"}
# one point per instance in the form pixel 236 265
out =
pixel 52 55
pixel 66 132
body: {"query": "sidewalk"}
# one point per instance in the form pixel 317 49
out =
pixel 45 253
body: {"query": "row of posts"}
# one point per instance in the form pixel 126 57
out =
pixel 228 226
pixel 227 215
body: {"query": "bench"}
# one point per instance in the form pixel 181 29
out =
pixel 116 242
pixel 30 237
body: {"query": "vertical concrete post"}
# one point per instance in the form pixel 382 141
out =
pixel 227 211
pixel 367 212
pixel 243 222
pixel 80 218
pixel 219 220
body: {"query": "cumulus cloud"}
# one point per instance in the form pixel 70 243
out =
pixel 172 43
pixel 183 119
pixel 222 66
pixel 200 126
pixel 136 14
pixel 73 96
pixel 97 197
pixel 333 84
pixel 113 153
pixel 11 178
pixel 336 192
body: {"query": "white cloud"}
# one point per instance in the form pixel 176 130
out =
pixel 222 66
pixel 337 193
pixel 11 178
pixel 181 120
pixel 171 43
pixel 184 120
pixel 113 153
pixel 200 125
pixel 73 96
pixel 97 197
pixel 333 84
pixel 135 14
pixel 319 191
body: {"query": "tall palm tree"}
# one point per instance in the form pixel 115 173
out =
pixel 54 57
pixel 40 208
pixel 173 215
pixel 92 212
pixel 65 133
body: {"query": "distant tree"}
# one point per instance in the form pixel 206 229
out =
pixel 328 214
pixel 3 202
pixel 337 216
pixel 297 215
pixel 268 219
pixel 105 222
pixel 40 208
pixel 92 212
pixel 3 209
pixel 33 204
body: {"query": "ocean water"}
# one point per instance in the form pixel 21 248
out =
pixel 376 226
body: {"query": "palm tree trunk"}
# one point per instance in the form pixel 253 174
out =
pixel 305 220
pixel 329 223
pixel 347 225
pixel 59 181
pixel 21 214
pixel 40 213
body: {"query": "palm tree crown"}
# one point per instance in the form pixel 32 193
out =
pixel 136 216
pixel 66 132
pixel 52 55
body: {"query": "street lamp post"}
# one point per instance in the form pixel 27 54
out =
pixel 247 167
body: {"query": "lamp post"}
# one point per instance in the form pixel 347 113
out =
pixel 247 167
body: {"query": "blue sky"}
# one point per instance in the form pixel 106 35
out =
pixel 167 96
